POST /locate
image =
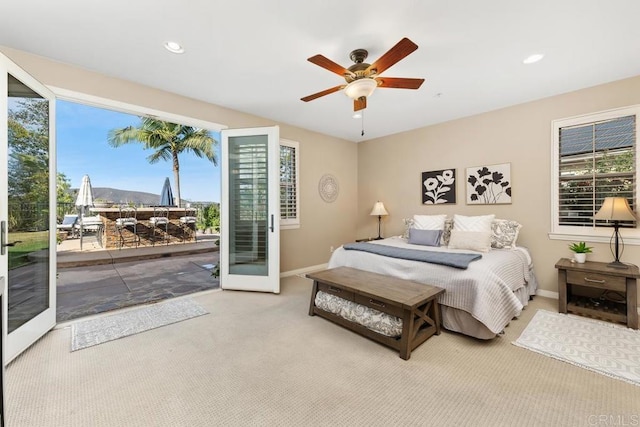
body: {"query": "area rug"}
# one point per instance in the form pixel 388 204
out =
pixel 607 348
pixel 107 328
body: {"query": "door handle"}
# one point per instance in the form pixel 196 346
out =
pixel 271 227
pixel 3 238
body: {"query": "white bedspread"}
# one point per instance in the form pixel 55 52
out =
pixel 485 289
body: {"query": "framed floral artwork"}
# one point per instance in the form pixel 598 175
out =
pixel 489 185
pixel 438 187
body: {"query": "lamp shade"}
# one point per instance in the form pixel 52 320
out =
pixel 379 210
pixel 615 209
pixel 361 87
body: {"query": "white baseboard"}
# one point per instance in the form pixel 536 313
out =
pixel 547 294
pixel 302 271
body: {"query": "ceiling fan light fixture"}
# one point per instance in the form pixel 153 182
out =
pixel 361 87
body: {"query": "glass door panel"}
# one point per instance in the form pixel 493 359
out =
pixel 248 193
pixel 27 173
pixel 28 204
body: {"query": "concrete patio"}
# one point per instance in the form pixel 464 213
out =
pixel 95 280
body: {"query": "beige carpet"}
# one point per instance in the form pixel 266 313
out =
pixel 259 359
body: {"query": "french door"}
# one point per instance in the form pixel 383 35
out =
pixel 27 208
pixel 250 214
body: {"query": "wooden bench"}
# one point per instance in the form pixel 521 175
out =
pixel 415 303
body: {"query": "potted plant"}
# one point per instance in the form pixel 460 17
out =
pixel 580 251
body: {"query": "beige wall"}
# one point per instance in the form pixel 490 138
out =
pixel 389 169
pixel 322 224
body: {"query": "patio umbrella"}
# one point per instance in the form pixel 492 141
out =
pixel 84 200
pixel 166 195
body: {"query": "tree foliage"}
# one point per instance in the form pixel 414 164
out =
pixel 29 150
pixel 168 141
pixel 28 174
pixel 208 217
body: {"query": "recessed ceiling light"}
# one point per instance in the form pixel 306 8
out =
pixel 357 115
pixel 174 47
pixel 533 58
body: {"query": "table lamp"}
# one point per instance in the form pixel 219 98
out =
pixel 616 209
pixel 379 210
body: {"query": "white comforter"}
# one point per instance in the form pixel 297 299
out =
pixel 485 289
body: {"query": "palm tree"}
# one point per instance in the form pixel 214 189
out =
pixel 168 140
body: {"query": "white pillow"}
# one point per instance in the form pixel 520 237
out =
pixel 473 240
pixel 473 223
pixel 429 222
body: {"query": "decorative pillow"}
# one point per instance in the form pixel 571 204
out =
pixel 473 223
pixel 473 240
pixel 446 233
pixel 429 222
pixel 424 237
pixel 504 233
pixel 408 223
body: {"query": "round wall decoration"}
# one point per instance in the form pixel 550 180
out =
pixel 328 188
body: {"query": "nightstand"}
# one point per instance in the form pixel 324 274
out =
pixel 598 275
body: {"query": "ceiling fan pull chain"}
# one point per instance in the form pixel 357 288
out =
pixel 362 122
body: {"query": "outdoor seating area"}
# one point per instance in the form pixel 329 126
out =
pixel 77 227
pixel 131 227
pixel 68 226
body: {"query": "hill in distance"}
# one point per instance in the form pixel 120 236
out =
pixel 115 195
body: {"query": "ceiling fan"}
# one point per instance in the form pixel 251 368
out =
pixel 362 78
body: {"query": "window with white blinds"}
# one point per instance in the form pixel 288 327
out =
pixel 289 174
pixel 595 156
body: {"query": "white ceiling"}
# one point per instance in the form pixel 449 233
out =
pixel 250 55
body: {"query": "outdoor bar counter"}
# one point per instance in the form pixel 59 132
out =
pixel 145 232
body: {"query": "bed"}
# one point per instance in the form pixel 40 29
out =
pixel 479 301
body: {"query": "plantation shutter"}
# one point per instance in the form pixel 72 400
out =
pixel 597 160
pixel 288 183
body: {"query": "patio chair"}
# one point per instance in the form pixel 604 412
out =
pixel 127 226
pixel 188 223
pixel 159 223
pixel 68 225
pixel 92 224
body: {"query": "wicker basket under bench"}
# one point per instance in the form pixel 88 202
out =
pixel 415 303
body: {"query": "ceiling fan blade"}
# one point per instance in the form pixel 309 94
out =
pixel 359 104
pixel 399 82
pixel 328 64
pixel 403 48
pixel 323 93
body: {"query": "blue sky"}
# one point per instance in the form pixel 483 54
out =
pixel 83 149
